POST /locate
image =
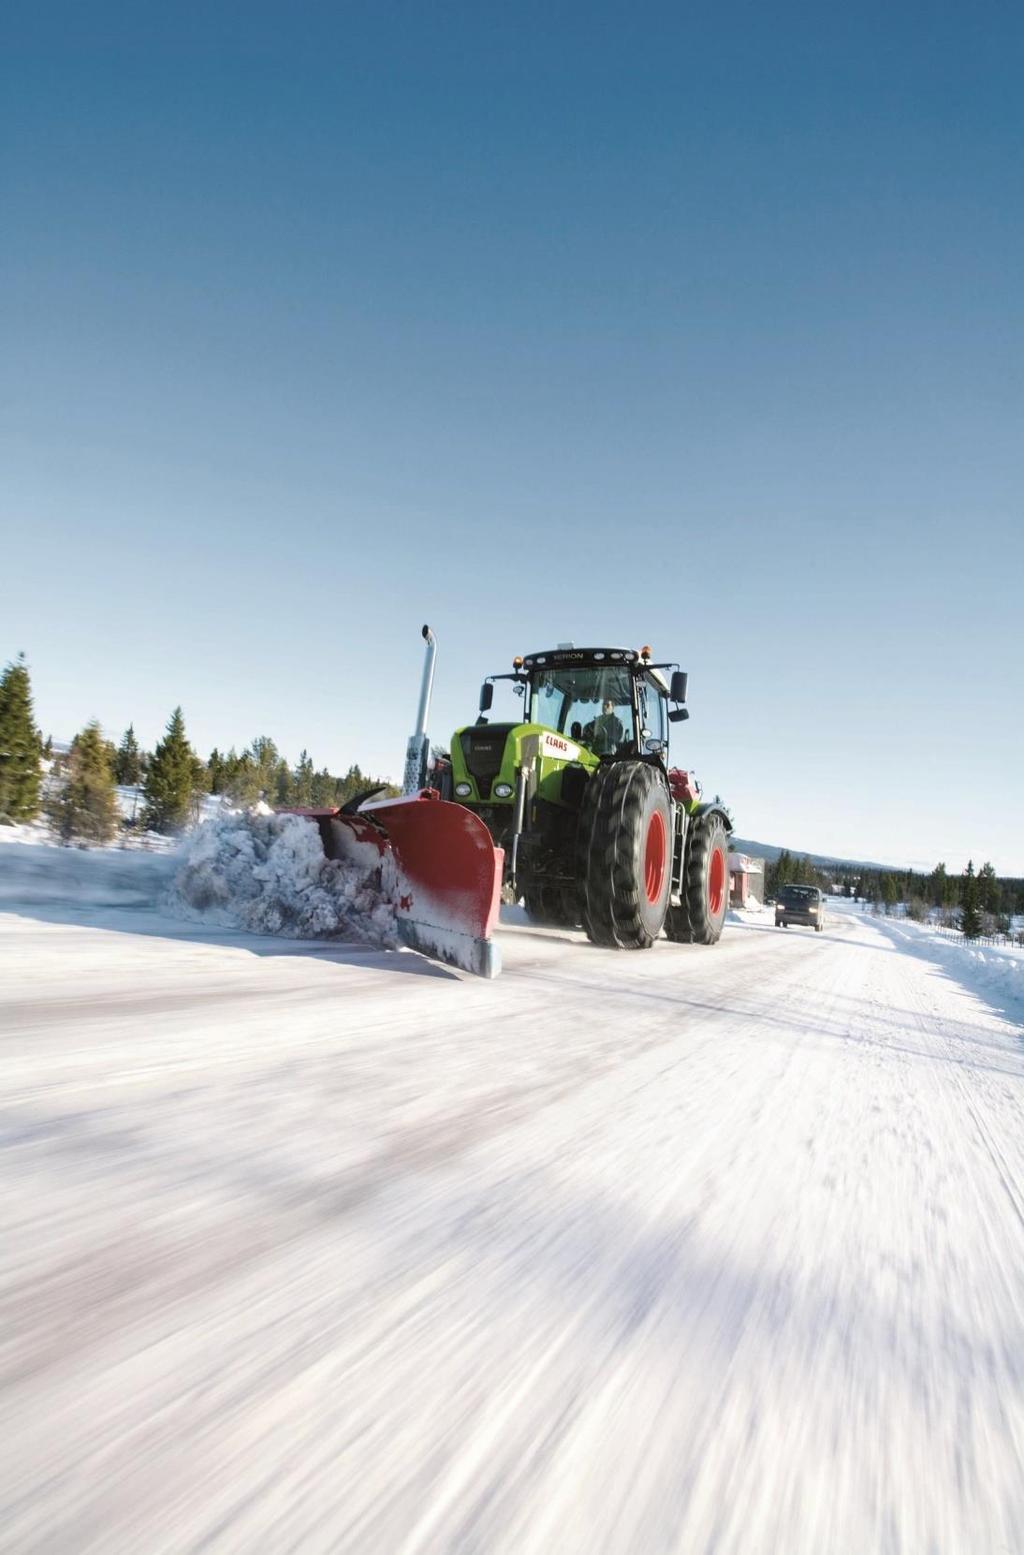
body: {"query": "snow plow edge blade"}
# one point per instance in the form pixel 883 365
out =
pixel 446 880
pixel 449 878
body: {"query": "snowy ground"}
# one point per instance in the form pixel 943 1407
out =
pixel 327 1249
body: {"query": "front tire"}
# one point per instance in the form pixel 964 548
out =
pixel 700 917
pixel 623 855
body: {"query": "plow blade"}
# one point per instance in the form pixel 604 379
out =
pixel 439 864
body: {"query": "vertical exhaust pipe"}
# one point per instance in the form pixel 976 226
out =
pixel 417 752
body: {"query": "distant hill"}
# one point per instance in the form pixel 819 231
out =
pixel 768 850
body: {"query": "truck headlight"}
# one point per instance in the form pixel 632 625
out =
pixel 463 790
pixel 503 790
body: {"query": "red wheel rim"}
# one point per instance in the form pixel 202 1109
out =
pixel 655 854
pixel 716 882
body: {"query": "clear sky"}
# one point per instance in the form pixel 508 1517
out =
pixel 699 326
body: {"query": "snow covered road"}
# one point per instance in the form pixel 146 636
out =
pixel 328 1250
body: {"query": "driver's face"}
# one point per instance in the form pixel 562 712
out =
pixel 607 705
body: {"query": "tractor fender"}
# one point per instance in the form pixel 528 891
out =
pixel 713 807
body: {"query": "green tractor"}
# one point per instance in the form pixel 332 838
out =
pixel 573 808
pixel 595 826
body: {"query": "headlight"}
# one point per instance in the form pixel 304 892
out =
pixel 463 790
pixel 503 790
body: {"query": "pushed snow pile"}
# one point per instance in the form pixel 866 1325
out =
pixel 268 873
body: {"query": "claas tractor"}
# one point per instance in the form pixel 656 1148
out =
pixel 570 807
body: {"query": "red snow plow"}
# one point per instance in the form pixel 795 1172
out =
pixel 438 862
pixel 438 865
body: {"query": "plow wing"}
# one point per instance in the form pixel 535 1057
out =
pixel 438 864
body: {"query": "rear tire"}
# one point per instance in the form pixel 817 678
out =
pixel 623 855
pixel 700 917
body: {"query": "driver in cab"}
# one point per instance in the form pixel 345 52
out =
pixel 608 730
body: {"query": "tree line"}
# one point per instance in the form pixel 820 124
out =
pixel 79 800
pixel 977 903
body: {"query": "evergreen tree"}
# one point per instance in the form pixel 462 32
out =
pixel 215 771
pixel 970 917
pixel 890 891
pixel 85 809
pixel 282 790
pixel 127 762
pixel 170 779
pixel 302 781
pixel 241 779
pixel 266 758
pixel 322 788
pixel 20 746
pixel 48 748
pixel 989 893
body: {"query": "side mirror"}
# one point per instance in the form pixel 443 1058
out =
pixel 486 695
pixel 677 715
pixel 678 689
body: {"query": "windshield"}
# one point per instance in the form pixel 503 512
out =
pixel 799 893
pixel 593 706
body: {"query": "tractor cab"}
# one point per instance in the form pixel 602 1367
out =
pixel 611 701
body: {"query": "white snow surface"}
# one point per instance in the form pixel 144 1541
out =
pixel 311 1246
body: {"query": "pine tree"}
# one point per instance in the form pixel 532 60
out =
pixel 937 886
pixel 20 746
pixel 266 758
pixel 241 780
pixel 989 891
pixel 322 788
pixel 170 779
pixel 127 762
pixel 970 917
pixel 282 789
pixel 216 769
pixel 85 809
pixel 302 781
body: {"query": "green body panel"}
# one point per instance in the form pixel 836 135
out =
pixel 525 745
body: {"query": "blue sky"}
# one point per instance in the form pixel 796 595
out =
pixel 695 326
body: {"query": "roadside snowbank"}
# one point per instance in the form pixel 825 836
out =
pixel 264 873
pixel 82 877
pixel 995 973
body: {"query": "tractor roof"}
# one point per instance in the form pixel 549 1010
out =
pixel 563 658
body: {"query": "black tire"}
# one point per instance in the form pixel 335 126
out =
pixel 551 905
pixel 623 855
pixel 699 919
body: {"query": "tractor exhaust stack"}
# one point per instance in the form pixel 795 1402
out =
pixel 417 752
